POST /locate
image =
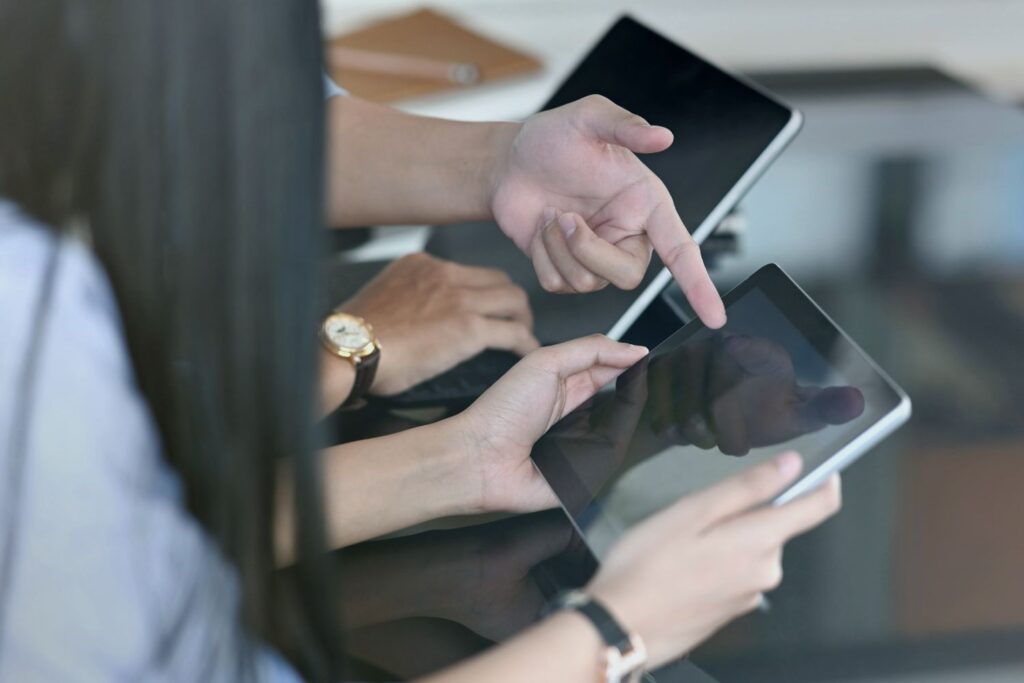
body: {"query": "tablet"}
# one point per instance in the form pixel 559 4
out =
pixel 706 404
pixel 728 130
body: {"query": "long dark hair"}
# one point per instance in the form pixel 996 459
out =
pixel 187 135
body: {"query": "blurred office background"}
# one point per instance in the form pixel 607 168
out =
pixel 980 40
pixel 900 207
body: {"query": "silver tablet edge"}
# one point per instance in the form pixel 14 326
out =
pixel 728 202
pixel 885 426
pixel 850 453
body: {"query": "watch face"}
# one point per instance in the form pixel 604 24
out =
pixel 347 333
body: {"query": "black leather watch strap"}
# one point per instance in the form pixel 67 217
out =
pixel 611 632
pixel 366 370
pixel 625 655
pixel 605 623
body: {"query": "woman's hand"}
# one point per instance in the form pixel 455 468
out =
pixel 685 572
pixel 504 423
pixel 476 461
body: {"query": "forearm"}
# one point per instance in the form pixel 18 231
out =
pixel 392 482
pixel 564 648
pixel 377 486
pixel 386 167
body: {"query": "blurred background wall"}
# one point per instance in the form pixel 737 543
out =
pixel 979 40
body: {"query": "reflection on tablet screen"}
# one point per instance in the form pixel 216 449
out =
pixel 708 403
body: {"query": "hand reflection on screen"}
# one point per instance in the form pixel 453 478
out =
pixel 422 602
pixel 732 392
pixel 739 392
pixel 476 576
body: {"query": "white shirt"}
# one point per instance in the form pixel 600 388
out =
pixel 108 564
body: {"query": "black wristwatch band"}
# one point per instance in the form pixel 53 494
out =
pixel 366 370
pixel 611 633
pixel 625 654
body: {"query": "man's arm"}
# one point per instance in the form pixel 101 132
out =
pixel 566 187
pixel 386 167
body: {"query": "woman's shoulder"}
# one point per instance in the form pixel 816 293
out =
pixel 76 436
pixel 64 363
pixel 81 306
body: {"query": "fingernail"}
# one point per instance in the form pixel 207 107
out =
pixel 789 465
pixel 547 215
pixel 568 223
pixel 641 348
pixel 718 319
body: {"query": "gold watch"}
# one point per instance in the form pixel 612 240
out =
pixel 350 337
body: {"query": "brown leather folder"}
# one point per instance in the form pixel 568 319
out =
pixel 431 35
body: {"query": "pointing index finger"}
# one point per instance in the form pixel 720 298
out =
pixel 681 256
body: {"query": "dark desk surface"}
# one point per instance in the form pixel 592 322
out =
pixel 901 210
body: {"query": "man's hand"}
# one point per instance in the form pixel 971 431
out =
pixel 571 193
pixel 429 316
pixel 740 392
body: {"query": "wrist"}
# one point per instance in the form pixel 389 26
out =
pixel 349 338
pixel 623 652
pixel 467 450
pixel 586 642
pixel 502 136
pixel 450 461
pixel 337 377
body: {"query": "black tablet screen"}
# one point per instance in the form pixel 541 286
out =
pixel 721 124
pixel 706 404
